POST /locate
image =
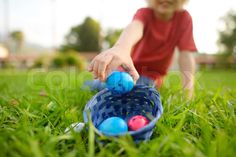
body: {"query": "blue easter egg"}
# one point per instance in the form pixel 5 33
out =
pixel 119 82
pixel 113 126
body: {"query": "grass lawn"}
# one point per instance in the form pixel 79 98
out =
pixel 37 106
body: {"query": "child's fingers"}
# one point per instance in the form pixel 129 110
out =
pixel 90 67
pixel 103 62
pixel 95 68
pixel 108 71
pixel 132 71
pixel 114 64
pixel 95 76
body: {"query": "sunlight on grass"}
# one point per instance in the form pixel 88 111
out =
pixel 35 112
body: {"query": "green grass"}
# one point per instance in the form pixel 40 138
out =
pixel 36 107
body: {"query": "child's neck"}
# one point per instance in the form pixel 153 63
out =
pixel 164 17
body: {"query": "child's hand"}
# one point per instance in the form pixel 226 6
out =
pixel 104 63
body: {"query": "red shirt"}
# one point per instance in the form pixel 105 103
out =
pixel 152 55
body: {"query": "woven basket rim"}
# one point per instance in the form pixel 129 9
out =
pixel 142 130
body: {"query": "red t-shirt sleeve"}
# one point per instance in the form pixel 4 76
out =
pixel 143 15
pixel 186 40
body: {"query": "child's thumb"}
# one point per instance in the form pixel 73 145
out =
pixel 132 71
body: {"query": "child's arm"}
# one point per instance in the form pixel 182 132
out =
pixel 119 54
pixel 187 69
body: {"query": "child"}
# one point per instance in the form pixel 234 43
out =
pixel 146 46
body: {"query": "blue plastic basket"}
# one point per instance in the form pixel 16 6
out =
pixel 142 100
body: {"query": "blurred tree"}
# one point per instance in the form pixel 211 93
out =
pixel 112 36
pixel 18 39
pixel 227 37
pixel 84 37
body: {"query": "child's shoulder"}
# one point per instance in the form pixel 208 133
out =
pixel 145 11
pixel 184 14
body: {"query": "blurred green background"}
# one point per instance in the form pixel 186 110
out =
pixel 45 47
